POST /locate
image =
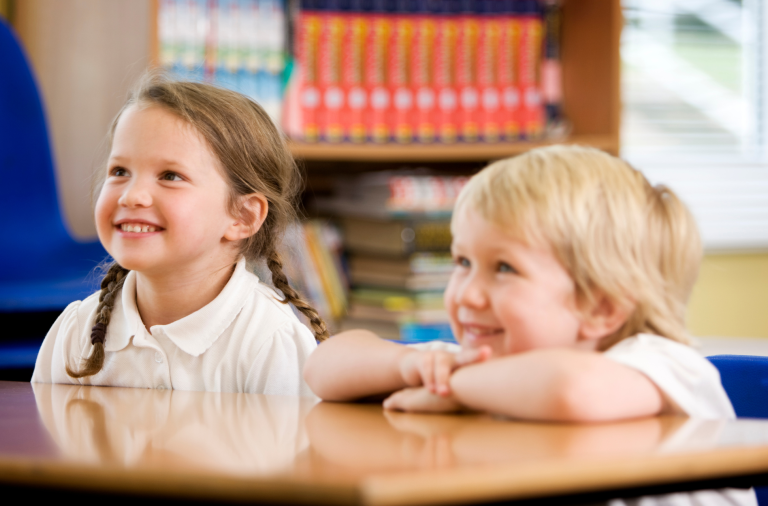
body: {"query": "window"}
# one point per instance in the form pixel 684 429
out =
pixel 694 91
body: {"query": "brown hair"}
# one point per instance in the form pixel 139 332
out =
pixel 613 231
pixel 254 158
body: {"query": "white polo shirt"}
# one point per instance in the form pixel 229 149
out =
pixel 245 340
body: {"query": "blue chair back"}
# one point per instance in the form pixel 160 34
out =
pixel 745 379
pixel 41 266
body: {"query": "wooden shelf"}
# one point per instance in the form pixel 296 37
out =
pixel 480 152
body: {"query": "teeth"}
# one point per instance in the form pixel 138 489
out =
pixel 128 227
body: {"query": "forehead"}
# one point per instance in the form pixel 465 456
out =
pixel 468 221
pixel 156 132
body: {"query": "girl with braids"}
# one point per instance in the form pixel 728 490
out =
pixel 199 184
pixel 567 300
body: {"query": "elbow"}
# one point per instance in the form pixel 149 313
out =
pixel 589 398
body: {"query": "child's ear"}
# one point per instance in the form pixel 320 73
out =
pixel 252 213
pixel 604 317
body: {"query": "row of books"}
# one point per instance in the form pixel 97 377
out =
pixel 422 71
pixel 239 44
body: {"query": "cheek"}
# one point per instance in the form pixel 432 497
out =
pixel 105 206
pixel 449 296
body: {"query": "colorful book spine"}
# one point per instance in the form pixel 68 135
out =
pixel 329 73
pixel 445 71
pixel 353 59
pixel 488 62
pixel 468 33
pixel 400 57
pixel 551 69
pixel 422 73
pixel 529 62
pixel 308 34
pixel 375 75
pixel 507 73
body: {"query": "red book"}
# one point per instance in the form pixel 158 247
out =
pixel 488 63
pixel 468 33
pixel 507 77
pixel 375 76
pixel 308 35
pixel 356 98
pixel 400 86
pixel 445 76
pixel 329 75
pixel 529 58
pixel 422 71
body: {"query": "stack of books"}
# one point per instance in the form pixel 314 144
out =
pixel 397 239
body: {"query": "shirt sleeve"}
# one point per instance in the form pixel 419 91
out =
pixel 279 364
pixel 65 325
pixel 689 383
pixel 436 346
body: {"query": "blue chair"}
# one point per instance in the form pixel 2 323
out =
pixel 745 379
pixel 42 268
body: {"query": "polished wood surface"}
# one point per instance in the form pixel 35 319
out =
pixel 284 449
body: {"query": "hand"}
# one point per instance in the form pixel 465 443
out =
pixel 433 369
pixel 421 400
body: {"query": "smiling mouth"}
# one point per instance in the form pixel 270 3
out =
pixel 138 227
pixel 481 332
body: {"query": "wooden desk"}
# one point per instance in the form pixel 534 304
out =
pixel 288 450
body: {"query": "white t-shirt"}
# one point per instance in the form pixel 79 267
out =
pixel 245 340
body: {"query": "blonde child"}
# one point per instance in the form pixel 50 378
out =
pixel 198 184
pixel 568 302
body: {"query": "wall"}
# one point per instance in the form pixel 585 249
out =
pixel 86 55
pixel 731 296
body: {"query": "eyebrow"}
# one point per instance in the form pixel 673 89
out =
pixel 163 162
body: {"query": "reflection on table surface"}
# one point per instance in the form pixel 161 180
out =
pixel 301 440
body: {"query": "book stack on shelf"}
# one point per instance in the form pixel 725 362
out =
pixel 424 71
pixel 396 233
pixel 238 44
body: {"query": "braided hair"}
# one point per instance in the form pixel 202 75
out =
pixel 110 286
pixel 253 156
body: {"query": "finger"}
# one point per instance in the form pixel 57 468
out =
pixel 472 356
pixel 428 371
pixel 445 365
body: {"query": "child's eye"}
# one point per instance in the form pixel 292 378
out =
pixel 462 262
pixel 505 267
pixel 118 172
pixel 171 176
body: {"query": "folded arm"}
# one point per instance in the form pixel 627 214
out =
pixel 557 385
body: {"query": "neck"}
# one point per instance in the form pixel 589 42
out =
pixel 166 298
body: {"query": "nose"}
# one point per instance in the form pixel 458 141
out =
pixel 472 292
pixel 136 194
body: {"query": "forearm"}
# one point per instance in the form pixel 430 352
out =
pixel 556 385
pixel 353 365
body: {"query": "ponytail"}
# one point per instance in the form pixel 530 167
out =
pixel 110 286
pixel 275 265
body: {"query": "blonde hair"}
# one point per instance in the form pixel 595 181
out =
pixel 254 158
pixel 613 231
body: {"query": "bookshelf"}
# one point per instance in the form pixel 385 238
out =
pixel 384 296
pixel 591 99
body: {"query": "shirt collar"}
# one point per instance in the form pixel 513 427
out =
pixel 194 333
